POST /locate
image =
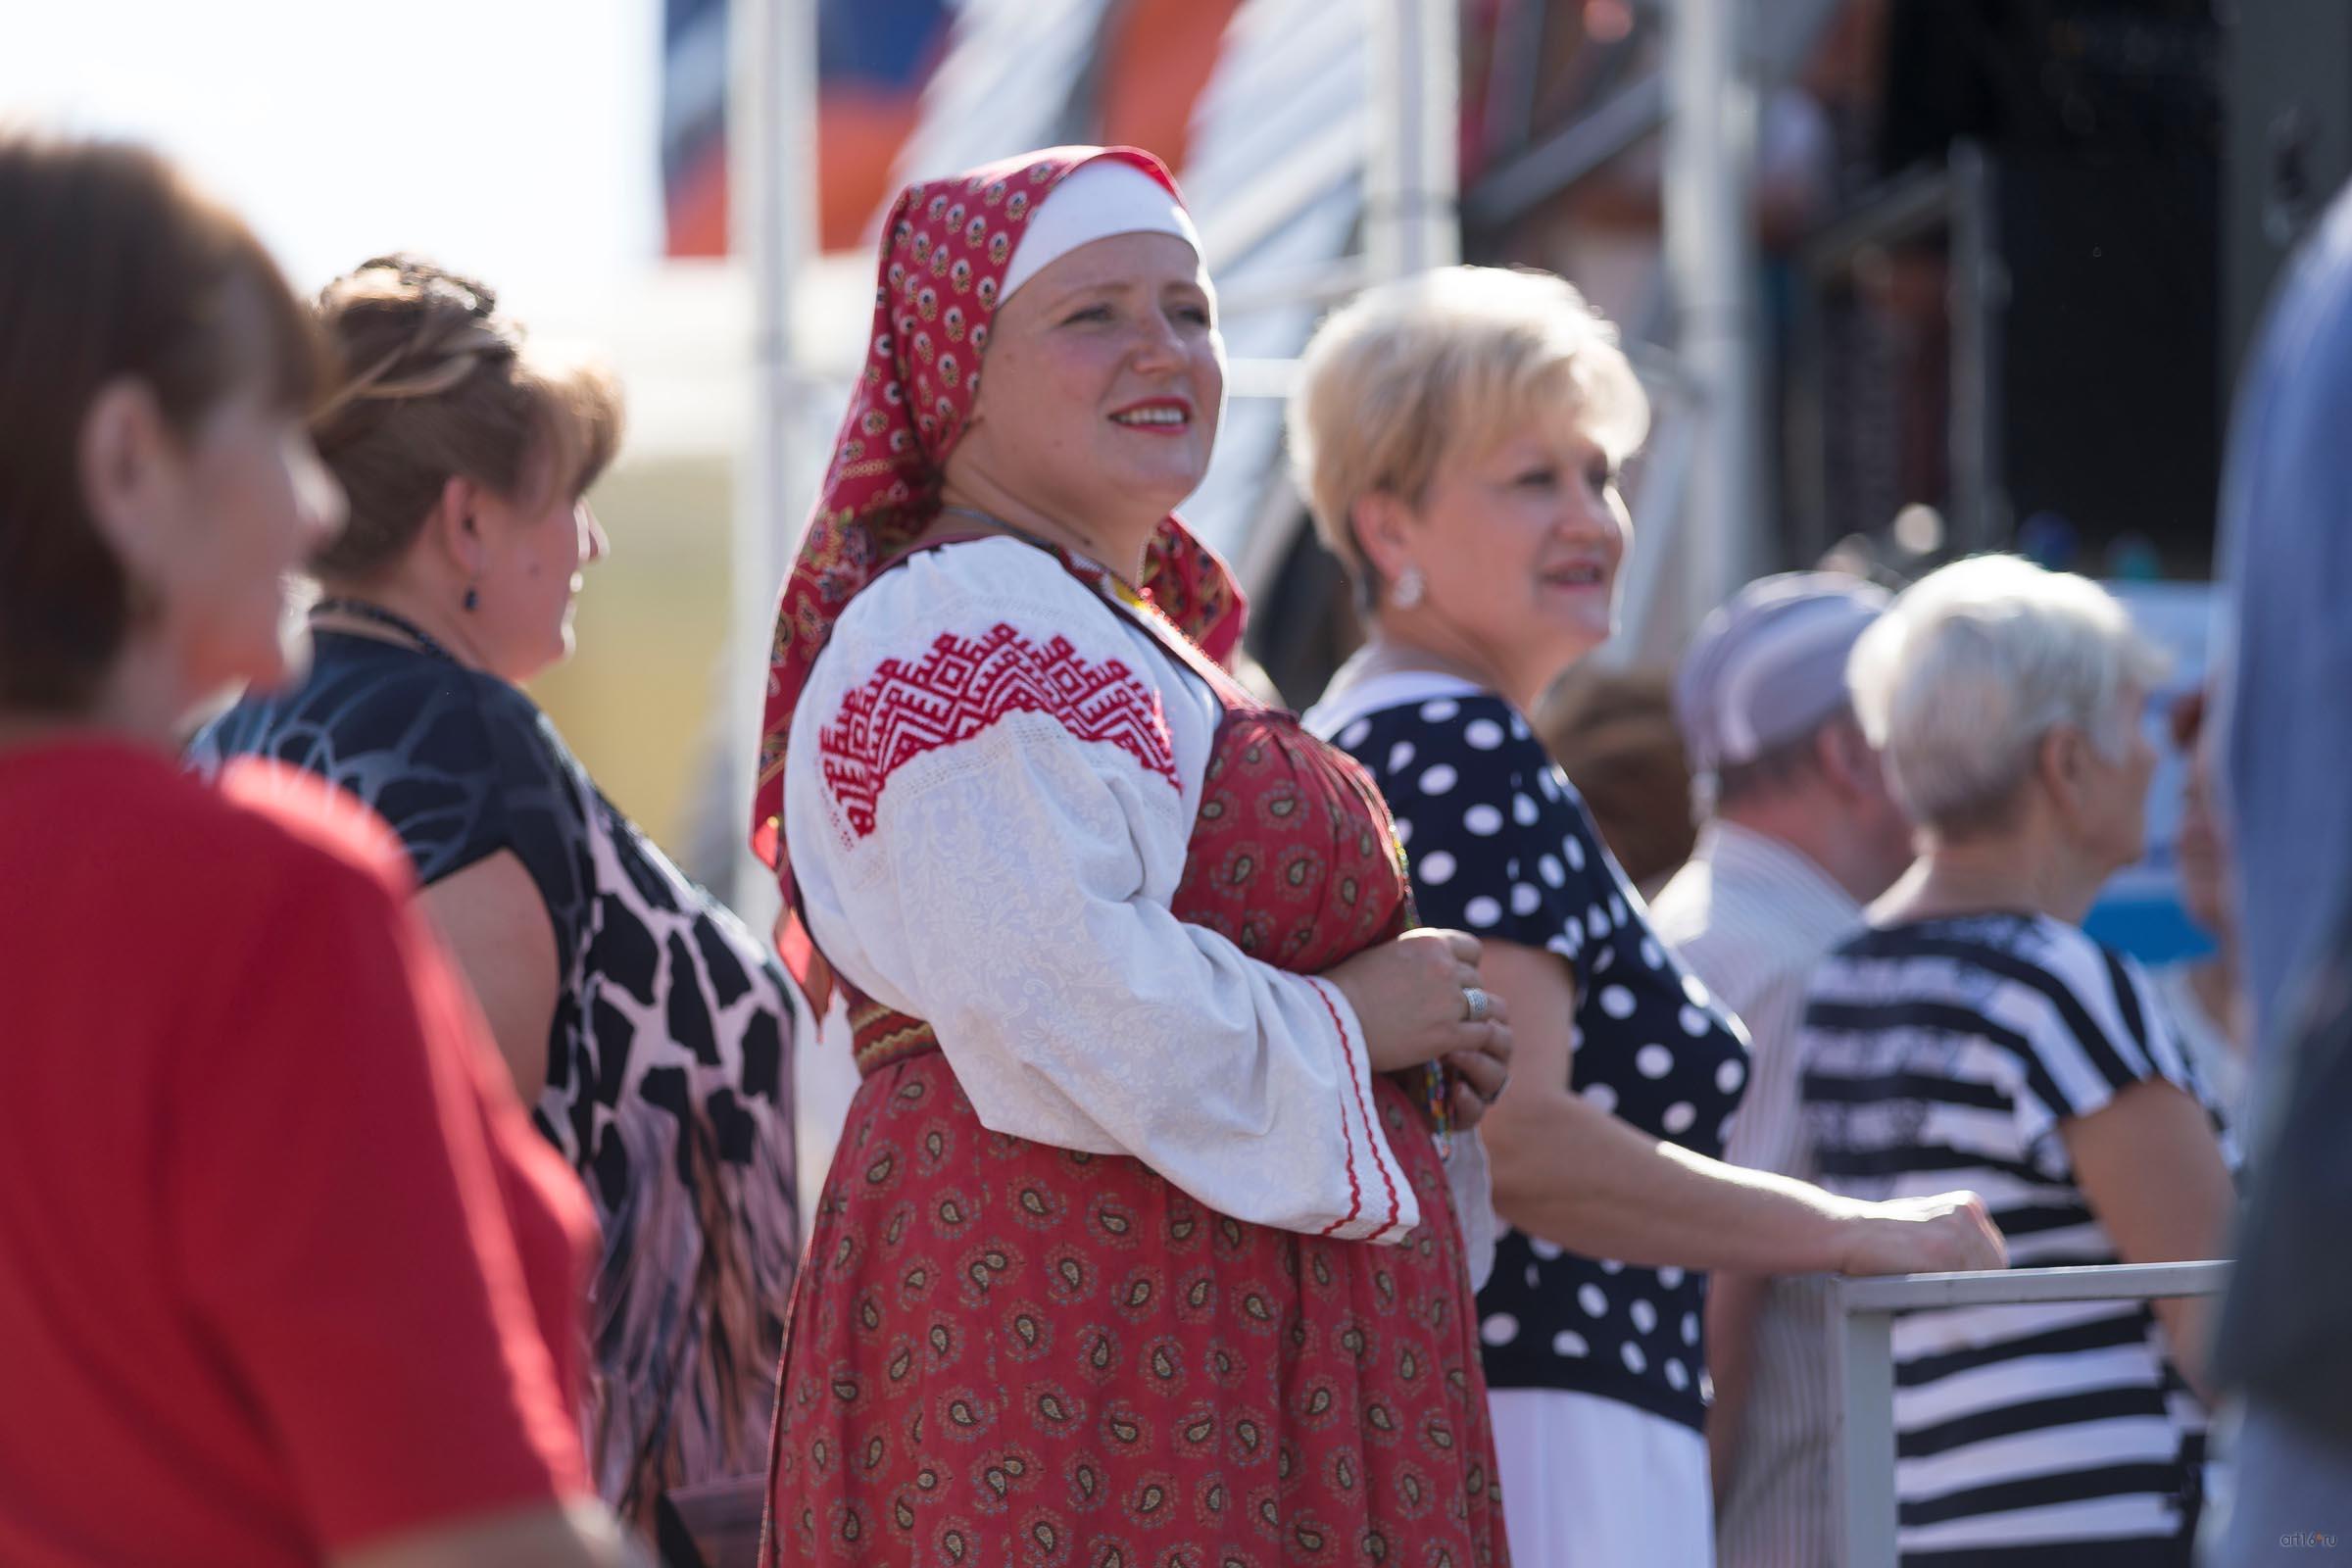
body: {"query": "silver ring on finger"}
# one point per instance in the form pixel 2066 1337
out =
pixel 1479 1003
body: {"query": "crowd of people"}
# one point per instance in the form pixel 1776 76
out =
pixel 1280 1137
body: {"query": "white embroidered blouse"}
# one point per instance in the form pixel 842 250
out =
pixel 991 782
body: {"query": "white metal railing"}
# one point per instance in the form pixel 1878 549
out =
pixel 1863 1331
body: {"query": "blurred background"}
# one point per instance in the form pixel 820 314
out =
pixel 1907 278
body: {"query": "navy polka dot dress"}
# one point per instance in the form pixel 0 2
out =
pixel 1502 846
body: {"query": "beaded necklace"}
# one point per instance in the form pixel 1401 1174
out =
pixel 361 610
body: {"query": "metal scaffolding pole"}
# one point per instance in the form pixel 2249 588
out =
pixel 1711 266
pixel 771 192
pixel 1412 175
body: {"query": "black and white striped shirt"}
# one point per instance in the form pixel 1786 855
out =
pixel 1948 1053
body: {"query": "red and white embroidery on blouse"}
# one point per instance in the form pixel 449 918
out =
pixel 964 685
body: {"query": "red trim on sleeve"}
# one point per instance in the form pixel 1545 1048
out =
pixel 1364 1115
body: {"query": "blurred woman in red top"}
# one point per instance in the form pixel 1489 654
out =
pixel 284 1275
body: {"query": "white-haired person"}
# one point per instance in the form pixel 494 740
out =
pixel 1459 436
pixel 1973 1033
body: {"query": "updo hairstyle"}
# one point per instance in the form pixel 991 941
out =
pixel 434 383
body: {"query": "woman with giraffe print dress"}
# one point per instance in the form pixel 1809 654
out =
pixel 646 1027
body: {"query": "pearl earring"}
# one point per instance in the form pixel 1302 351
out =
pixel 1408 590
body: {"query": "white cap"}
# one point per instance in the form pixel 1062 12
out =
pixel 1109 196
pixel 1769 665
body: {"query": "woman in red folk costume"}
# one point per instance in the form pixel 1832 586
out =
pixel 1134 1250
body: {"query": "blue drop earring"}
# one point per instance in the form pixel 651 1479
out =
pixel 474 600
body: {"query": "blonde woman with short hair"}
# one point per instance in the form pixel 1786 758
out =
pixel 1459 436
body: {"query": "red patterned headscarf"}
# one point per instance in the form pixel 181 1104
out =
pixel 944 251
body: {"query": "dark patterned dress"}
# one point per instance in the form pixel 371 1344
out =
pixel 1005 1351
pixel 669 1079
